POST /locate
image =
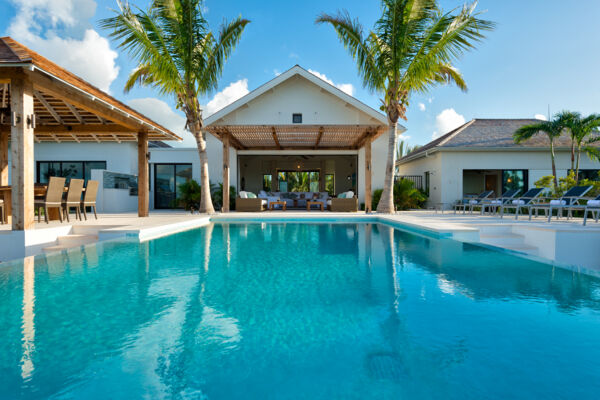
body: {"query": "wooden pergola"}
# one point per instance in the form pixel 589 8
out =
pixel 298 137
pixel 42 102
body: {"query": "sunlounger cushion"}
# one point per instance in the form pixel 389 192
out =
pixel 593 203
pixel 518 201
pixel 557 202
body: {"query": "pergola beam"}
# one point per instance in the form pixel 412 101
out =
pixel 225 196
pixel 319 137
pixel 74 129
pixel 75 112
pixel 143 188
pixel 275 139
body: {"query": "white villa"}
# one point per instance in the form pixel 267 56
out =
pixel 482 155
pixel 294 123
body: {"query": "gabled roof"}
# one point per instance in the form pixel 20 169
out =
pixel 298 70
pixel 486 135
pixel 14 54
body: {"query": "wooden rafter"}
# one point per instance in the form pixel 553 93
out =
pixel 75 113
pixel 47 106
pixel 319 137
pixel 275 139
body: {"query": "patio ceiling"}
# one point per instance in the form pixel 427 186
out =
pixel 296 137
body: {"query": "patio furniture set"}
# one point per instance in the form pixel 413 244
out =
pixel 531 202
pixel 57 200
pixel 250 202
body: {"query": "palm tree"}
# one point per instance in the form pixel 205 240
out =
pixel 580 129
pixel 178 55
pixel 552 129
pixel 411 48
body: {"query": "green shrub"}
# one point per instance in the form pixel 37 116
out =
pixel 566 183
pixel 405 196
pixel 217 196
pixel 189 195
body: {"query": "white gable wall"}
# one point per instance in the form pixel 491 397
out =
pixel 296 95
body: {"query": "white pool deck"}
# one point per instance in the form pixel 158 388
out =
pixel 562 242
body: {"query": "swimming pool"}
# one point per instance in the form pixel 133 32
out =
pixel 296 311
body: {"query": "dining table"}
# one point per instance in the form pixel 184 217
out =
pixel 39 191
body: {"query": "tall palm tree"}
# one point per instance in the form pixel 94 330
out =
pixel 411 48
pixel 178 55
pixel 581 129
pixel 552 129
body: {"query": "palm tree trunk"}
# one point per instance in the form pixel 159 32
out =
pixel 577 166
pixel 386 204
pixel 572 154
pixel 206 205
pixel 553 165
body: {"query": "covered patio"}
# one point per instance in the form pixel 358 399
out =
pixel 39 102
pixel 280 145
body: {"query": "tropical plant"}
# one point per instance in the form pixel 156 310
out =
pixel 552 129
pixel 403 149
pixel 406 196
pixel 567 182
pixel 217 195
pixel 581 130
pixel 190 195
pixel 411 48
pixel 178 55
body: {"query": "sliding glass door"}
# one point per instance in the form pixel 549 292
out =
pixel 298 181
pixel 167 178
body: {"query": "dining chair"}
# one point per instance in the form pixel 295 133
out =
pixel 89 198
pixel 52 198
pixel 73 198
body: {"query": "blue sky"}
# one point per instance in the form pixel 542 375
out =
pixel 542 53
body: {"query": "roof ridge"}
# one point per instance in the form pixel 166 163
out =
pixel 456 131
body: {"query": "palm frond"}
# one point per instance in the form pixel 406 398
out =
pixel 550 128
pixel 350 33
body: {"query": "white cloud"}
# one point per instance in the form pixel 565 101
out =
pixel 60 31
pixel 404 137
pixel 161 112
pixel 276 72
pixel 422 107
pixel 344 87
pixel 226 96
pixel 446 121
pixel 541 117
pixel 430 100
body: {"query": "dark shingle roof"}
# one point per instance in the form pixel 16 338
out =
pixel 486 134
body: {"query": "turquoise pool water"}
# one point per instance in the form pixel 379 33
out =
pixel 296 311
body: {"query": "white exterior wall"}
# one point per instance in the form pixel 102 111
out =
pixel 447 168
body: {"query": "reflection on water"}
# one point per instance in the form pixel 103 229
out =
pixel 355 310
pixel 28 315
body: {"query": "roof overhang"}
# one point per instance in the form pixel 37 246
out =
pixel 66 107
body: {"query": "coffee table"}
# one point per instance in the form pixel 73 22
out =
pixel 314 203
pixel 283 205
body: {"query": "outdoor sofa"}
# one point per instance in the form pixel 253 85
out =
pixel 249 202
pixel 293 199
pixel 344 202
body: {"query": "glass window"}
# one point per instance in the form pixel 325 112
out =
pixel 267 180
pixel 314 181
pixel 427 180
pixel 67 169
pixel 515 179
pixel 167 179
pixel 282 180
pixel 330 184
pixel 297 118
pixel 592 174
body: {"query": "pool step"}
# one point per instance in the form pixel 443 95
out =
pixel 70 241
pixel 502 236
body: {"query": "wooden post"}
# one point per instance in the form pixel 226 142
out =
pixel 143 174
pixel 4 158
pixel 225 173
pixel 368 173
pixel 21 102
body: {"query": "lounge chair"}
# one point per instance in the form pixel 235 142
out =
pixel 2 211
pixel 52 199
pixel 248 202
pixel 528 198
pixel 494 204
pixel 73 198
pixel 345 202
pixel 566 202
pixel 89 198
pixel 472 203
pixel 593 207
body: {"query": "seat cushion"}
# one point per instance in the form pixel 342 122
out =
pixel 243 195
pixel 557 202
pixel 593 203
pixel 251 195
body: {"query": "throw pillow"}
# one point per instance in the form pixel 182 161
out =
pixel 251 195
